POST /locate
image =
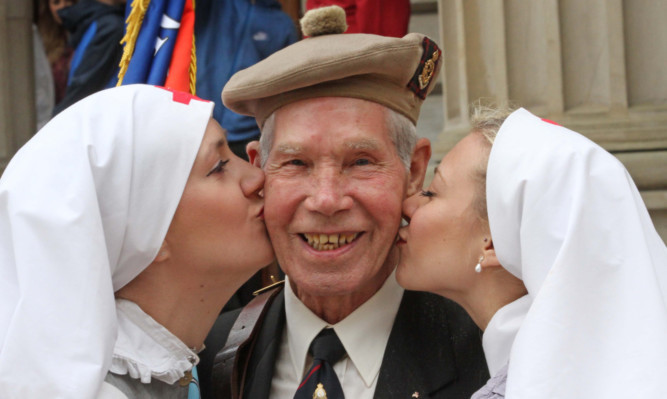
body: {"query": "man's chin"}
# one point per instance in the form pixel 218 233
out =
pixel 341 283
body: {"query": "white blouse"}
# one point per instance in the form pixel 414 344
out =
pixel 145 349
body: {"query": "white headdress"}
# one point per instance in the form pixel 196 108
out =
pixel 84 208
pixel 567 219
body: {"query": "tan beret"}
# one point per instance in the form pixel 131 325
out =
pixel 397 73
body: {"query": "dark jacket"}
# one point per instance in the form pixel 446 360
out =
pixel 232 35
pixel 95 33
pixel 434 349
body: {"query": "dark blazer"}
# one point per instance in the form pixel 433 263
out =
pixel 434 349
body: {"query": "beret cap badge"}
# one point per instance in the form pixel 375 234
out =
pixel 427 72
pixel 427 67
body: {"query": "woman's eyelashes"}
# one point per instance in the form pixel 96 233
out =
pixel 427 193
pixel 218 168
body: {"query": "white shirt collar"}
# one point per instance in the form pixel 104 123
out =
pixel 146 349
pixel 365 349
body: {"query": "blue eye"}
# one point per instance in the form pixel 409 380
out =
pixel 296 162
pixel 362 162
pixel 218 168
pixel 426 193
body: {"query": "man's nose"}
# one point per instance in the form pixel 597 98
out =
pixel 329 193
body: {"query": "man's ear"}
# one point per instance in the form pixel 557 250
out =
pixel 164 253
pixel 418 164
pixel 252 149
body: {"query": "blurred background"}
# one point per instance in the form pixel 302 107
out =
pixel 595 66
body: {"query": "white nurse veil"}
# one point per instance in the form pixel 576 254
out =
pixel 84 208
pixel 567 219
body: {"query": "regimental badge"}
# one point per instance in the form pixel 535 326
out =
pixel 425 72
pixel 320 393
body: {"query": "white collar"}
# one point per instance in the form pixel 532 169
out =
pixel 365 349
pixel 500 332
pixel 146 349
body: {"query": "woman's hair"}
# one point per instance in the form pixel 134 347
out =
pixel 402 131
pixel 486 121
pixel 53 34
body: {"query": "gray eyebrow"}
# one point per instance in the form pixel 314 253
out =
pixel 364 144
pixel 288 148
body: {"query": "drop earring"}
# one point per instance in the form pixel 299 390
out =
pixel 478 266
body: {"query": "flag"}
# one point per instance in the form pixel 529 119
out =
pixel 159 44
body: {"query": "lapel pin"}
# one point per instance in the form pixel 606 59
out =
pixel 415 395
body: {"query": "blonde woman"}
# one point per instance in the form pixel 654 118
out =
pixel 543 238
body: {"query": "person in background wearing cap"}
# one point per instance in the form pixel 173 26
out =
pixel 340 153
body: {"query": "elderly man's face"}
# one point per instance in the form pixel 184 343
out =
pixel 334 188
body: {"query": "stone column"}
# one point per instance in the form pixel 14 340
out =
pixel 594 66
pixel 17 98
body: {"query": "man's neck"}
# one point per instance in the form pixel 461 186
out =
pixel 333 309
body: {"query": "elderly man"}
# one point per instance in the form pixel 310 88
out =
pixel 340 153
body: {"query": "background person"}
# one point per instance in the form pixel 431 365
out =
pixel 233 35
pixel 54 39
pixel 125 226
pixel 543 238
pixel 96 28
pixel 379 17
pixel 340 152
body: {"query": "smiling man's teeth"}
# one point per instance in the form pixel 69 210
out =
pixel 327 242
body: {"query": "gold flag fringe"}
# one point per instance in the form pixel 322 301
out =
pixel 134 21
pixel 193 61
pixel 193 68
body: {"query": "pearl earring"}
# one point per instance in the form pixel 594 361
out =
pixel 478 266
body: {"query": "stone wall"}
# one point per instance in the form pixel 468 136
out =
pixel 594 66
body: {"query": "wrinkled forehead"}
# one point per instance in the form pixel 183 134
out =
pixel 349 122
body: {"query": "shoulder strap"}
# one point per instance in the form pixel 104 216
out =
pixel 230 364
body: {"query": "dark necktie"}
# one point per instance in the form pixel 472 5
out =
pixel 321 381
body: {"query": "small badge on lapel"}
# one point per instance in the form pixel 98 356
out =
pixel 415 395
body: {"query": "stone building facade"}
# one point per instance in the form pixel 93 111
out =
pixel 595 66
